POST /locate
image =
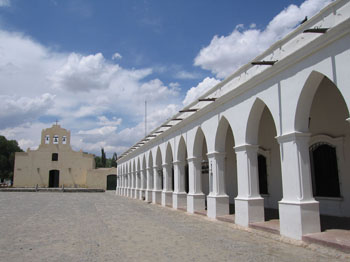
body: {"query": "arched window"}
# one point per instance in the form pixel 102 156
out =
pixel 324 170
pixel 55 139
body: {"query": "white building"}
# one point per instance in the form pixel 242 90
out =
pixel 272 136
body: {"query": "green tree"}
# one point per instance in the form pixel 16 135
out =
pixel 114 160
pixel 103 157
pixel 98 162
pixel 8 148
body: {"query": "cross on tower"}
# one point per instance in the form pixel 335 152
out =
pixel 56 122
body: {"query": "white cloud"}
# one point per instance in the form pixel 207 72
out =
pixel 225 54
pixel 19 110
pixel 105 130
pixel 186 75
pixel 116 56
pixel 86 93
pixel 105 121
pixel 5 3
pixel 199 90
pixel 84 73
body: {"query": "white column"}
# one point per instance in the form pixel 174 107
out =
pixel 137 184
pixel 195 196
pixel 249 205
pixel 129 184
pixel 142 184
pixel 218 201
pixel 157 191
pixel 118 186
pixel 124 184
pixel 179 194
pixel 167 192
pixel 149 172
pixel 298 210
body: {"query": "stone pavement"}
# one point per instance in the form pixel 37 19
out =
pixel 105 227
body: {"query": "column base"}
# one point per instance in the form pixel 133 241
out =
pixel 148 197
pixel 128 192
pixel 141 194
pixel 137 193
pixel 167 198
pixel 218 206
pixel 124 192
pixel 179 200
pixel 195 202
pixel 156 197
pixel 249 210
pixel 298 219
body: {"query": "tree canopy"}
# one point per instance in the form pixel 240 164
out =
pixel 102 161
pixel 8 148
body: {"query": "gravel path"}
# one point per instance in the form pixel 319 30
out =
pixel 106 227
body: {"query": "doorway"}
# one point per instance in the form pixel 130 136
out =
pixel 54 178
pixel 111 182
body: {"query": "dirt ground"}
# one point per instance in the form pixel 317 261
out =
pixel 105 227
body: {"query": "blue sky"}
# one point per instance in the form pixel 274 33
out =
pixel 91 64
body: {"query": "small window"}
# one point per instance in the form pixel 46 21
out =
pixel 262 169
pixel 55 139
pixel 64 140
pixel 47 139
pixel 54 157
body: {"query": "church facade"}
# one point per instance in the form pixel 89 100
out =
pixel 55 164
pixel 274 137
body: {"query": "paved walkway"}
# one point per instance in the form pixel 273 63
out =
pixel 106 227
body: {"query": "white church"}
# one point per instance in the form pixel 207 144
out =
pixel 271 140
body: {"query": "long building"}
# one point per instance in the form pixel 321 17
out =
pixel 272 138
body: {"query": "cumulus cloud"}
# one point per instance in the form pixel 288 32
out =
pixel 90 95
pixel 199 90
pixel 225 54
pixel 84 73
pixel 113 122
pixel 19 110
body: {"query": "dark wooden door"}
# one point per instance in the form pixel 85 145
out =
pixel 111 182
pixel 54 178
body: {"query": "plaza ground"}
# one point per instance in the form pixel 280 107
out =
pixel 105 227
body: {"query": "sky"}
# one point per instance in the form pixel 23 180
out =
pixel 91 65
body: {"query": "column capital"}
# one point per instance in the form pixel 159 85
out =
pixel 293 136
pixel 246 147
pixel 179 162
pixel 216 154
pixel 194 159
pixel 166 165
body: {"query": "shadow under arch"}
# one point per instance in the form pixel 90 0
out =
pixel 301 120
pixel 182 156
pixel 261 132
pixel 221 133
pixel 159 174
pixel 199 142
pixel 225 143
pixel 169 160
pixel 322 112
pixel 252 130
